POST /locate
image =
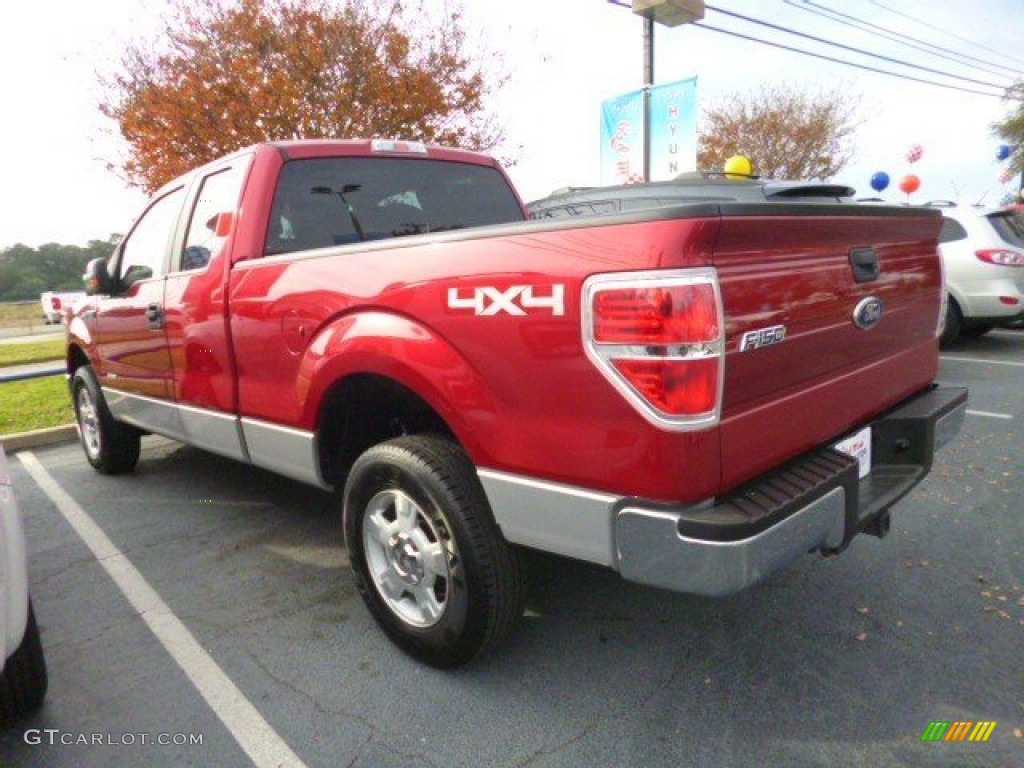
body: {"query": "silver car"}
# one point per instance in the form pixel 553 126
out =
pixel 983 255
pixel 23 679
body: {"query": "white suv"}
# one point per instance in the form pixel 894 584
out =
pixel 983 255
pixel 23 678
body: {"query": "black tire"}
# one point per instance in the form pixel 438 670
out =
pixel 23 682
pixel 975 331
pixel 111 447
pixel 454 585
pixel 954 322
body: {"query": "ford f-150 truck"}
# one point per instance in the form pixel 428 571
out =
pixel 692 395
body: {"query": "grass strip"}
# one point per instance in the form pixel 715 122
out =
pixel 34 404
pixel 31 352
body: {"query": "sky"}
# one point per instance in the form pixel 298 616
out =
pixel 564 57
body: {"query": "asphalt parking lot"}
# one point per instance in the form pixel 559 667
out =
pixel 205 604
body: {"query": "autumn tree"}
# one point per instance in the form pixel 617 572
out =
pixel 228 74
pixel 787 132
pixel 1011 130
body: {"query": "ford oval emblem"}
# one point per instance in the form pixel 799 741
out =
pixel 867 313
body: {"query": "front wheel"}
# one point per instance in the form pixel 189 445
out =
pixel 23 678
pixel 111 447
pixel 427 556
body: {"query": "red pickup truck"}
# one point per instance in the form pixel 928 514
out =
pixel 691 394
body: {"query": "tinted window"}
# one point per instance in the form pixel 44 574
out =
pixel 145 250
pixel 333 201
pixel 951 230
pixel 1010 227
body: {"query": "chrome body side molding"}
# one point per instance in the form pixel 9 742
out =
pixel 285 450
pixel 160 416
pixel 556 518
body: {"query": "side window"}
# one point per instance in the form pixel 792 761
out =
pixel 146 247
pixel 951 230
pixel 212 217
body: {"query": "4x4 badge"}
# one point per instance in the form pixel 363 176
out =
pixel 867 313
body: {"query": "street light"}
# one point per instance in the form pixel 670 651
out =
pixel 671 13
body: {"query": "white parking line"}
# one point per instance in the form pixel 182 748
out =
pixel 980 360
pixel 990 415
pixel 254 735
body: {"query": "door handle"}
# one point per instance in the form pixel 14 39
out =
pixel 155 316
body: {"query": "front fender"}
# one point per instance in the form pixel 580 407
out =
pixel 78 335
pixel 396 347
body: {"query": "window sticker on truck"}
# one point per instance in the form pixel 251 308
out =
pixel 858 446
pixel 487 300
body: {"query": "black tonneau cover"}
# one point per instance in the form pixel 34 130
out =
pixel 602 201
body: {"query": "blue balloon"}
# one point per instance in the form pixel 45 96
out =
pixel 880 181
pixel 1003 152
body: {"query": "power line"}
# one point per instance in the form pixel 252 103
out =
pixel 852 49
pixel 864 26
pixel 905 37
pixel 944 31
pixel 1007 92
pixel 702 25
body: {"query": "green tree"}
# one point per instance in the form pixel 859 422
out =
pixel 227 74
pixel 1011 130
pixel 786 131
pixel 26 272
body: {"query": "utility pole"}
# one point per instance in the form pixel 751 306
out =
pixel 671 13
pixel 648 82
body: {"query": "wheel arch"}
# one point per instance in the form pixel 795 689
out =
pixel 364 409
pixel 376 376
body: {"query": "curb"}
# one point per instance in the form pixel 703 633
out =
pixel 37 438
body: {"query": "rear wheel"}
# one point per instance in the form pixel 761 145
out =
pixel 428 558
pixel 975 331
pixel 23 681
pixel 954 322
pixel 111 447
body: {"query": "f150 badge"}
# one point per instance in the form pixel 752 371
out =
pixel 762 337
pixel 487 300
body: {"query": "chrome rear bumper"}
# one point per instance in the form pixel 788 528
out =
pixel 816 502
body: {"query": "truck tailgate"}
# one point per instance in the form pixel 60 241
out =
pixel 800 370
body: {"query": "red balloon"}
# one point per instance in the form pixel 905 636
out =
pixel 909 184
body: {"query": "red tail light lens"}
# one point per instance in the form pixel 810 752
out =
pixel 683 314
pixel 54 303
pixel 677 387
pixel 1001 257
pixel 657 337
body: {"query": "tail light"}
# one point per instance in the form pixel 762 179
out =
pixel 55 303
pixel 658 338
pixel 1001 257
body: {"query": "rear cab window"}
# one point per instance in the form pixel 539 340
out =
pixel 324 202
